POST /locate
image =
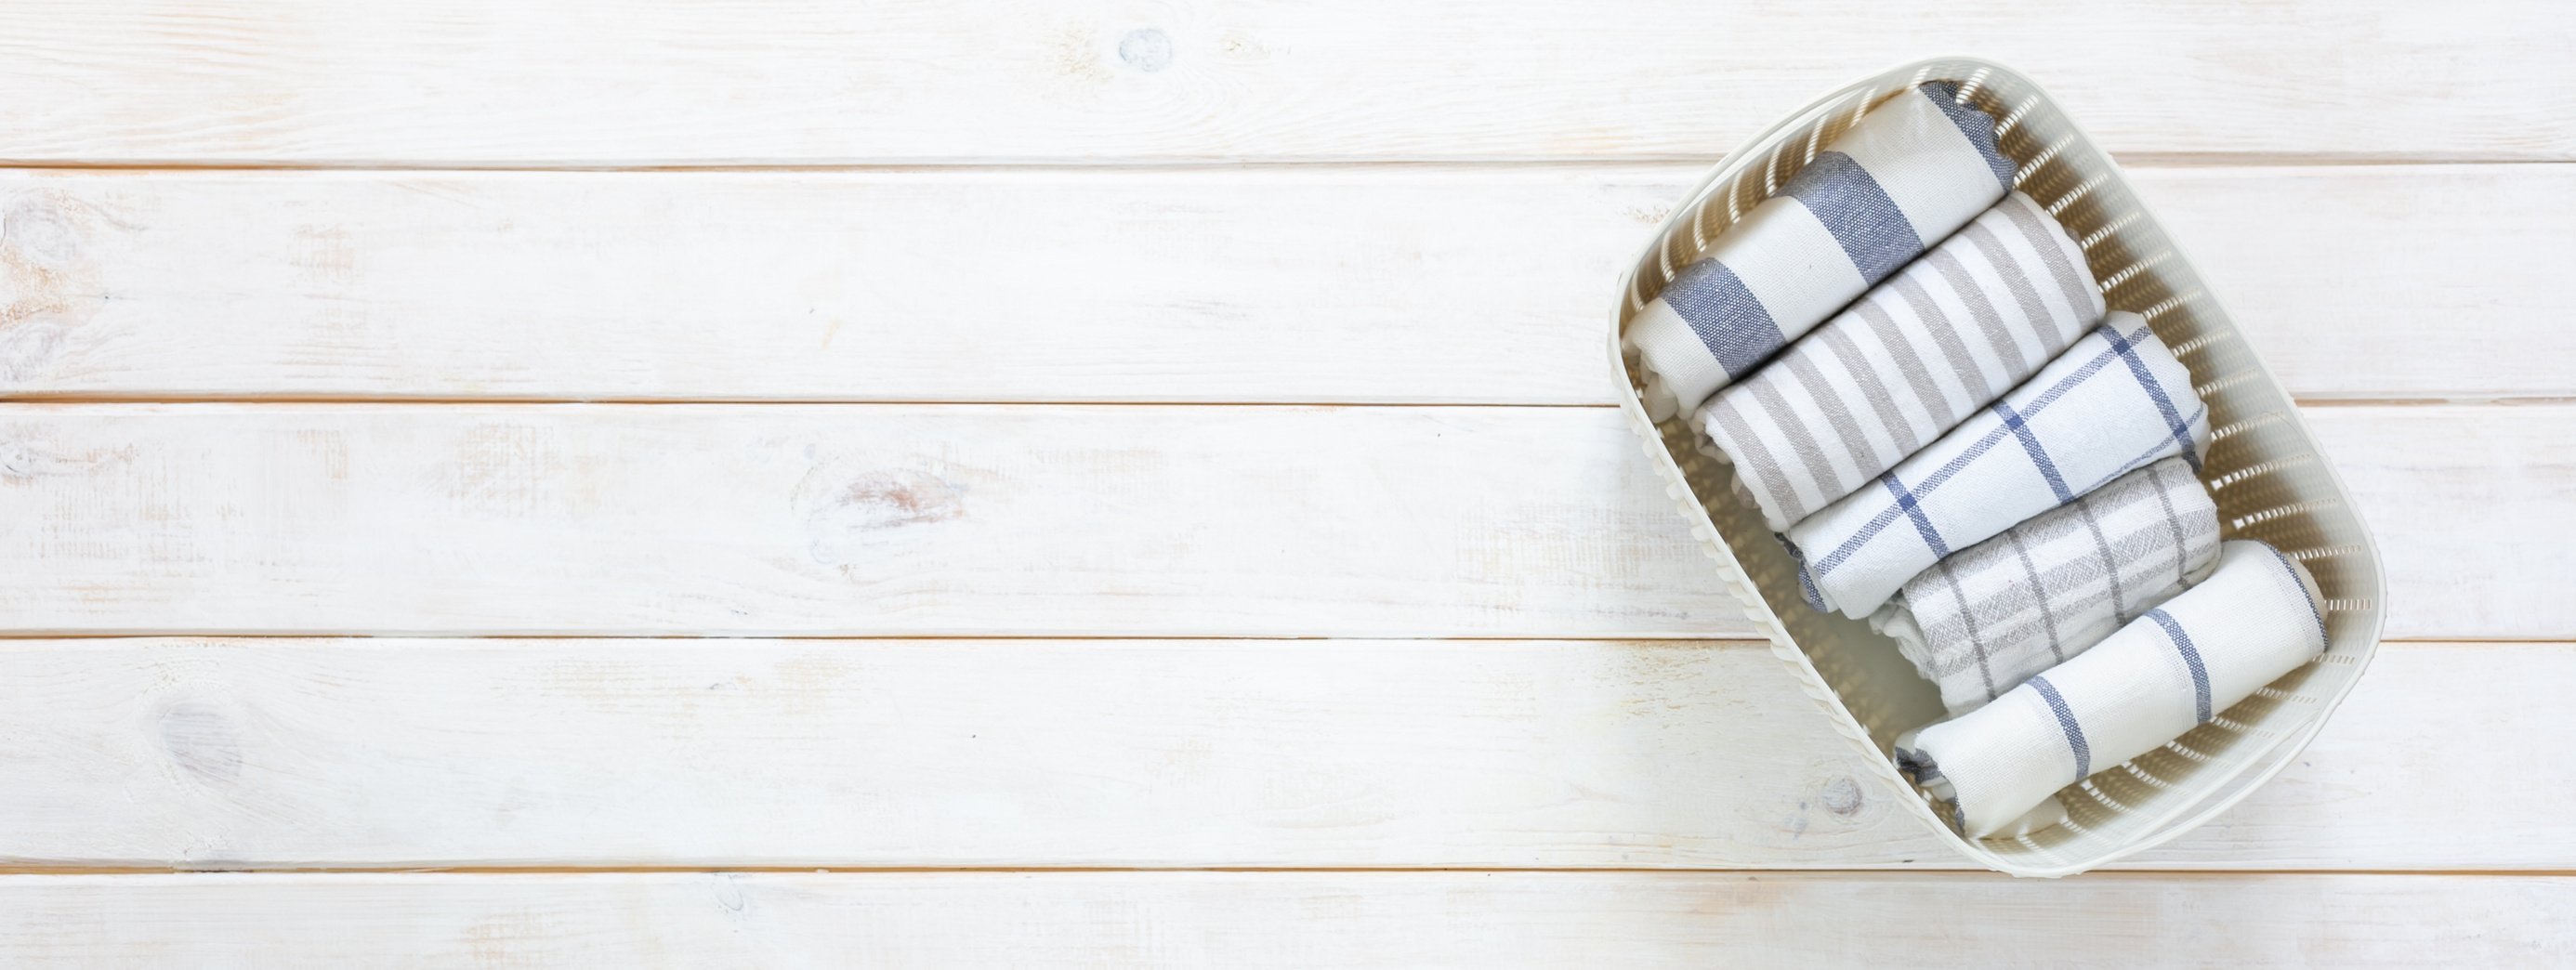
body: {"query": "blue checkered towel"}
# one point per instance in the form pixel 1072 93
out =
pixel 2112 403
pixel 1908 173
pixel 2254 619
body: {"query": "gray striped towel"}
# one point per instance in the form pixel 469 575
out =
pixel 1910 171
pixel 2110 404
pixel 2254 619
pixel 1920 352
pixel 1980 622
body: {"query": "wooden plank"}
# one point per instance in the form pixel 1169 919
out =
pixel 1431 919
pixel 1388 284
pixel 2387 282
pixel 506 83
pixel 1332 284
pixel 2471 511
pixel 403 754
pixel 839 520
pixel 895 520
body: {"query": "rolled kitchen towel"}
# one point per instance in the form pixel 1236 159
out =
pixel 2110 404
pixel 2254 619
pixel 1910 171
pixel 1979 623
pixel 1945 336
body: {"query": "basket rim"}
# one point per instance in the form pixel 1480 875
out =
pixel 2260 766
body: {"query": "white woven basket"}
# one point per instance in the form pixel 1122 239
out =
pixel 2264 468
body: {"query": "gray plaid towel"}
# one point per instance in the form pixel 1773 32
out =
pixel 2254 619
pixel 1910 171
pixel 1945 336
pixel 2110 404
pixel 1980 622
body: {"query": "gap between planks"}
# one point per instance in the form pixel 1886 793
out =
pixel 1714 641
pixel 41 398
pixel 2126 160
pixel 1933 871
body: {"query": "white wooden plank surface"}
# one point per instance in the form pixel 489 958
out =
pixel 757 519
pixel 2471 509
pixel 1278 920
pixel 1332 284
pixel 686 82
pixel 804 753
pixel 1022 520
pixel 853 268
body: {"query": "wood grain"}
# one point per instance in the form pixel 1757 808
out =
pixel 678 82
pixel 2446 492
pixel 828 519
pixel 1106 374
pixel 232 754
pixel 909 520
pixel 1333 284
pixel 1429 919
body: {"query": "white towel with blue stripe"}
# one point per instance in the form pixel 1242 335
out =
pixel 1913 169
pixel 2254 619
pixel 2111 404
pixel 1917 355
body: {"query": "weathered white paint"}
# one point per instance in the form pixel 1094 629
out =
pixel 506 82
pixel 825 520
pixel 1179 753
pixel 1303 919
pixel 1076 279
pixel 1332 284
pixel 1024 521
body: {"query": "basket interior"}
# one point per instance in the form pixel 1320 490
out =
pixel 2264 470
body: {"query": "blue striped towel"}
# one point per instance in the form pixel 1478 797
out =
pixel 2112 403
pixel 1908 173
pixel 1919 353
pixel 2254 619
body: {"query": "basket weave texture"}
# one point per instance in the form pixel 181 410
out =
pixel 2264 468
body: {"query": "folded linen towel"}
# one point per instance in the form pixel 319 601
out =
pixel 2254 619
pixel 1943 337
pixel 1980 622
pixel 1910 171
pixel 2110 404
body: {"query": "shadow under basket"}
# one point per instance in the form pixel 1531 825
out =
pixel 2264 469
